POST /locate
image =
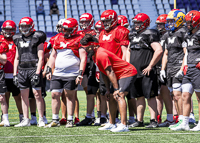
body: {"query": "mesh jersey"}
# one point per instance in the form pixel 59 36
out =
pixel 114 39
pixel 193 48
pixel 3 48
pixel 122 69
pixel 174 45
pixel 27 49
pixel 67 60
pixel 8 67
pixel 141 50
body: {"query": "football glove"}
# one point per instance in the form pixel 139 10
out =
pixel 15 80
pixel 179 74
pixel 35 80
pixel 198 65
pixel 162 75
pixel 185 69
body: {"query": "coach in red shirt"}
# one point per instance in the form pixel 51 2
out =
pixel 120 73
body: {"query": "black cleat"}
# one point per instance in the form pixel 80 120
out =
pixel 153 124
pixel 137 124
pixel 85 122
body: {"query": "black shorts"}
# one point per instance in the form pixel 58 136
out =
pixel 171 80
pixel 67 83
pixel 146 86
pixel 93 85
pixel 3 87
pixel 87 69
pixel 44 94
pixel 25 76
pixel 11 87
pixel 192 76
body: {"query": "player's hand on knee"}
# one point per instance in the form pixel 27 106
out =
pixel 15 80
pixel 116 95
pixel 35 80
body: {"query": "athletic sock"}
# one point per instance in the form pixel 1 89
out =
pixel 69 117
pixel 88 116
pixel 131 118
pixel 170 117
pixel 98 114
pixel 180 117
pixel 55 117
pixel 33 114
pixel 185 120
pixel 5 116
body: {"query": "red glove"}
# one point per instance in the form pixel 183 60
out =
pixel 3 47
pixel 97 75
pixel 198 65
pixel 185 69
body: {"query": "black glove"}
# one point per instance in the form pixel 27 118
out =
pixel 35 80
pixel 48 70
pixel 15 80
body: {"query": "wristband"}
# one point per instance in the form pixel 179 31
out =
pixel 48 70
pixel 115 89
pixel 80 73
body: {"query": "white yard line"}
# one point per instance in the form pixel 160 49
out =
pixel 138 134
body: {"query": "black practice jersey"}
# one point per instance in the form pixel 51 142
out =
pixel 162 43
pixel 174 45
pixel 193 48
pixel 27 48
pixel 141 50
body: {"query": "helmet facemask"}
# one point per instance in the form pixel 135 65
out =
pixel 138 25
pixel 161 27
pixel 25 29
pixel 107 23
pixel 85 24
pixel 67 32
pixel 8 32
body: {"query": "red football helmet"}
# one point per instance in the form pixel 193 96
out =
pixel 98 27
pixel 70 27
pixel 161 21
pixel 141 21
pixel 26 25
pixel 123 21
pixel 86 21
pixel 192 19
pixel 8 28
pixel 109 19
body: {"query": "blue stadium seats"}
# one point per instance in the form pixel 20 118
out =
pixel 123 12
pixel 73 2
pixel 127 2
pixel 121 2
pixel 101 7
pixel 122 7
pixel 130 12
pixel 81 7
pixel 108 7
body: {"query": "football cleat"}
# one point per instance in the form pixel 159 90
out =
pixel 196 128
pixel 5 123
pixel 159 119
pixel 181 127
pixel 45 120
pixel 192 119
pixel 131 121
pixel 41 122
pixel 53 124
pixel 120 128
pixel 69 124
pixel 76 121
pixel 108 126
pixel 137 124
pixel 24 123
pixel 63 121
pixel 153 124
pixel 166 123
pixel 177 124
pixel 84 122
pixel 97 122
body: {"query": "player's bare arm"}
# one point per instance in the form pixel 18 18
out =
pixel 128 54
pixel 185 56
pixel 124 50
pixel 51 63
pixel 40 58
pixel 156 57
pixel 164 60
pixel 16 62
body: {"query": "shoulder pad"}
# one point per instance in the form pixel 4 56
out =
pixel 153 35
pixel 165 36
pixel 16 37
pixel 41 35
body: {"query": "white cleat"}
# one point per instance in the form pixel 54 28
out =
pixel 41 122
pixel 24 123
pixel 33 120
pixel 5 123
pixel 108 126
pixel 120 128
pixel 181 127
pixel 196 128
pixel 192 119
pixel 97 122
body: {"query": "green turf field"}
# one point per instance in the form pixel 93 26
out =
pixel 90 133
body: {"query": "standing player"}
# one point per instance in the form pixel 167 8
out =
pixel 113 38
pixel 144 52
pixel 4 106
pixel 66 75
pixel 192 78
pixel 28 62
pixel 8 31
pixel 117 71
pixel 163 92
pixel 173 57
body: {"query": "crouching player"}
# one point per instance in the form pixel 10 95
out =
pixel 117 71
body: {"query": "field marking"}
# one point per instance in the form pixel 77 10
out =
pixel 140 134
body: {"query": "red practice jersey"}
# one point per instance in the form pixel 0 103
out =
pixel 4 48
pixel 122 69
pixel 113 40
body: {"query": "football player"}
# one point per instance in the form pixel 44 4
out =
pixel 8 31
pixel 66 75
pixel 28 66
pixel 173 57
pixel 144 52
pixel 117 71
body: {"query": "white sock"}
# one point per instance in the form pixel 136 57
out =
pixel 5 116
pixel 55 116
pixel 170 117
pixel 180 117
pixel 185 120
pixel 88 115
pixel 131 118
pixel 69 117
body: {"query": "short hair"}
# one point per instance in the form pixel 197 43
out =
pixel 88 38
